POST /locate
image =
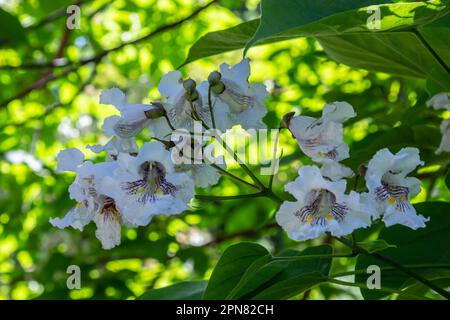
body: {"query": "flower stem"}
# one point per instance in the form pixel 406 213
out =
pixel 220 198
pixel 398 266
pixel 229 174
pixel 211 107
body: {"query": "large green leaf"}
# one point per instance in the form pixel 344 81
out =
pixel 230 268
pixel 312 17
pixel 412 39
pixel 401 53
pixel 426 246
pixel 437 35
pixel 10 28
pixel 222 41
pixel 273 279
pixel 187 290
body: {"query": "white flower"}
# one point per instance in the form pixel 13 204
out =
pixel 69 160
pixel 92 204
pixel 439 101
pixel 445 142
pixel 391 190
pixel 322 138
pixel 334 170
pixel 321 206
pixel 147 185
pixel 116 144
pixel 134 117
pixel 180 109
pixel 243 101
pixel 189 156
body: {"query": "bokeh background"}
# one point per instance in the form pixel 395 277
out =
pixel 46 108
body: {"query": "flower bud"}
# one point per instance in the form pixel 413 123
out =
pixel 214 78
pixel 190 86
pixel 157 111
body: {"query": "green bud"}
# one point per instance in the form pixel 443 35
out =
pixel 218 88
pixel 189 85
pixel 214 78
pixel 191 93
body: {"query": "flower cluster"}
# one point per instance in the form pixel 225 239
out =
pixel 135 184
pixel 442 101
pixel 321 202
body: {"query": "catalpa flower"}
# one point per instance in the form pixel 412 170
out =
pixel 190 157
pixel 148 185
pixel 135 117
pixel 116 144
pixel 445 142
pixel 321 206
pixel 442 101
pixel 92 204
pixel 185 101
pixel 439 101
pixel 390 189
pixel 322 139
pixel 243 101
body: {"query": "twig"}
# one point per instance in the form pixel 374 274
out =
pixel 42 82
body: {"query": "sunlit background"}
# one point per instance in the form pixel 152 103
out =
pixel 65 112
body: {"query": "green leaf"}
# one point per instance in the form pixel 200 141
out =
pixel 267 280
pixel 341 28
pixel 428 246
pixel 10 28
pixel 324 18
pixel 400 53
pixel 291 287
pixel 187 290
pixel 437 35
pixel 376 245
pixel 230 268
pixel 222 41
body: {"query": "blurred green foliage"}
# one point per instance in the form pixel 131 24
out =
pixel 65 112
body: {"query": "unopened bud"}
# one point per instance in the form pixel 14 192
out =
pixel 286 120
pixel 157 111
pixel 214 78
pixel 189 85
pixel 191 93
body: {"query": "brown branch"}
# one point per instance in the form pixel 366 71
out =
pixel 59 104
pixel 44 81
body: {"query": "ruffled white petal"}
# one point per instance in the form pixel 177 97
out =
pixel 238 73
pixel 170 85
pixel 338 111
pixel 108 230
pixel 335 171
pixel 114 96
pixel 439 101
pixel 77 218
pixel 408 218
pixel 69 160
pixel 444 146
